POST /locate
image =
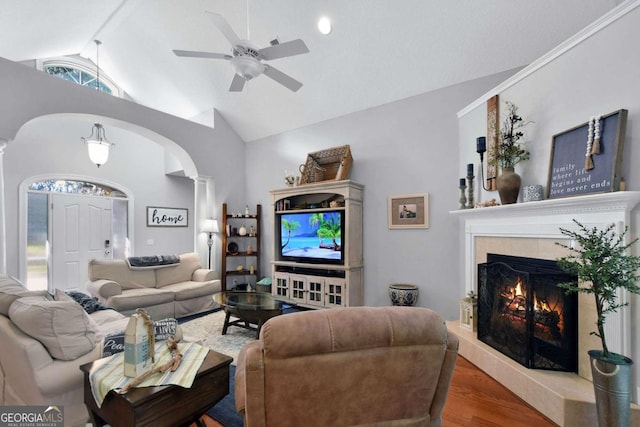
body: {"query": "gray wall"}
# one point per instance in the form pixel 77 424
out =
pixel 409 146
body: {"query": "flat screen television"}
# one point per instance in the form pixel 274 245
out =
pixel 312 237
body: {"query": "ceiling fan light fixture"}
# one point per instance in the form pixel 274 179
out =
pixel 324 25
pixel 247 67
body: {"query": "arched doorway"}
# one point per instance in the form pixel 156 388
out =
pixel 69 221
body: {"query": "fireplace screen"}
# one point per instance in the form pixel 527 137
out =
pixel 523 314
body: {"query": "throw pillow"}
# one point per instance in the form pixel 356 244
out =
pixel 63 296
pixel 63 327
pixel 10 290
pixel 182 272
pixel 163 329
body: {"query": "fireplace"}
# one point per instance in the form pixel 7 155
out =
pixel 524 315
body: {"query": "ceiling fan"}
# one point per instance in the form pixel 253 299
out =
pixel 247 58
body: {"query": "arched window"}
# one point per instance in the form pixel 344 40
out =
pixel 80 72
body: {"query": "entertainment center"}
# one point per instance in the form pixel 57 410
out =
pixel 318 258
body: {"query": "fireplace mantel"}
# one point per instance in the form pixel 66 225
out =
pixel 593 204
pixel 543 219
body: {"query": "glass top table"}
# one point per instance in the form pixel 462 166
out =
pixel 250 308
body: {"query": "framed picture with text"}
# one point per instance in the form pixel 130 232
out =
pixel 409 211
pixel 167 217
pixel 577 168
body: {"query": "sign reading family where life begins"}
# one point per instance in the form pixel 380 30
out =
pixel 588 158
pixel 167 217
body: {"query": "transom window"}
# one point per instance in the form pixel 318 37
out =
pixel 80 71
pixel 83 78
pixel 75 187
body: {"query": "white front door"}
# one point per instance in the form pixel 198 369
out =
pixel 81 230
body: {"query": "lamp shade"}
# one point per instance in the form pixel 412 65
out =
pixel 98 152
pixel 210 226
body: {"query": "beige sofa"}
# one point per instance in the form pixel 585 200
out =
pixel 165 291
pixel 44 341
pixel 388 366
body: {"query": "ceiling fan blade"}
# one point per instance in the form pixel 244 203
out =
pixel 237 84
pixel 286 81
pixel 225 28
pixel 197 54
pixel 293 47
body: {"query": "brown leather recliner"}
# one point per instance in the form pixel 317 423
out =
pixel 347 366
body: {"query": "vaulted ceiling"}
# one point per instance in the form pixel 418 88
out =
pixel 379 51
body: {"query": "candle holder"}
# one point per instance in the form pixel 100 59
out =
pixel 470 192
pixel 481 148
pixel 463 197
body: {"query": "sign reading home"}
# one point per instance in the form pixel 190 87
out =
pixel 167 217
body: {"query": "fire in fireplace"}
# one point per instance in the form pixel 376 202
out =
pixel 523 314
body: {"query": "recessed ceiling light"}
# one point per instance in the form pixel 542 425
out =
pixel 324 25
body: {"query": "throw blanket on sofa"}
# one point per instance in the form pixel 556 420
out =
pixel 152 261
pixel 89 303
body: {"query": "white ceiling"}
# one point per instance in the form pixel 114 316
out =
pixel 380 51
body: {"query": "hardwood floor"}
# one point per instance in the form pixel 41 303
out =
pixel 476 399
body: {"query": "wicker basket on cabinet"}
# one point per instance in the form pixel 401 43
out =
pixel 332 164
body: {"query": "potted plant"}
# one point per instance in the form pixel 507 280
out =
pixel 603 265
pixel 509 153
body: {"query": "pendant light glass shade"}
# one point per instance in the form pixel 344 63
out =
pixel 97 145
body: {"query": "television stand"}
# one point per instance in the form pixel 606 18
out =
pixel 310 271
pixel 320 285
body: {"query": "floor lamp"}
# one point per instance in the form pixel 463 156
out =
pixel 210 226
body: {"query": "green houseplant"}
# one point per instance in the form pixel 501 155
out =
pixel 509 153
pixel 603 264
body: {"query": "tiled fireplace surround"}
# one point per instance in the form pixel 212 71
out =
pixel 531 230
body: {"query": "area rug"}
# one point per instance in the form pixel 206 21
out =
pixel 208 331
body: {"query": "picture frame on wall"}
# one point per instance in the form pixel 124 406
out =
pixel 167 217
pixel 408 211
pixel 493 137
pixel 573 172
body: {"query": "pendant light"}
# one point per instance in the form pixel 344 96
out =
pixel 98 145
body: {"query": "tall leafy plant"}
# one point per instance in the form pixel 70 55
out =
pixel 510 150
pixel 603 264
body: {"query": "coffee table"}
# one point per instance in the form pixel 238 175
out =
pixel 167 405
pixel 251 308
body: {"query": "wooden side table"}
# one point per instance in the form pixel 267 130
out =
pixel 167 405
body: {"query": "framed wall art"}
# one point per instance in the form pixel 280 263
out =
pixel 167 217
pixel 409 211
pixel 493 132
pixel 587 159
